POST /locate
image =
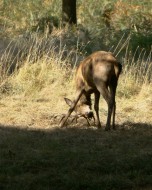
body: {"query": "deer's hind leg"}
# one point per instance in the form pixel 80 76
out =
pixel 104 91
pixel 113 88
pixel 96 108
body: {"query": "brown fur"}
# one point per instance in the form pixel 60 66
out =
pixel 97 74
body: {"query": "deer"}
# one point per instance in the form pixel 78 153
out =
pixel 97 74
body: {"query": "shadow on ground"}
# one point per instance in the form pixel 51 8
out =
pixel 74 158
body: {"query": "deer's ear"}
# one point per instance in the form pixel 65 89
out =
pixel 68 101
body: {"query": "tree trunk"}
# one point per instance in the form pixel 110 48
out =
pixel 69 12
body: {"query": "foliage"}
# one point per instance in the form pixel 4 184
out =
pixel 105 21
pixel 19 16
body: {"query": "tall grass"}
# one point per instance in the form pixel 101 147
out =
pixel 45 60
pixel 35 68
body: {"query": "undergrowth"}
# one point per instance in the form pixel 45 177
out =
pixel 102 21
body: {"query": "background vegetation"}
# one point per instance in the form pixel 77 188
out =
pixel 37 64
pixel 105 20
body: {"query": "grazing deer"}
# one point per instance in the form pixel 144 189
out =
pixel 97 74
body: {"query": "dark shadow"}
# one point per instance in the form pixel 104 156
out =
pixel 73 158
pixel 135 126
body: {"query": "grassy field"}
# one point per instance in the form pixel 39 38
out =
pixel 37 69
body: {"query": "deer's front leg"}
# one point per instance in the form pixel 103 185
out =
pixel 71 109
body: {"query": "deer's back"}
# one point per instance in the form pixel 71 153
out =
pixel 99 66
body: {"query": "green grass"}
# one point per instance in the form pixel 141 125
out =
pixel 76 158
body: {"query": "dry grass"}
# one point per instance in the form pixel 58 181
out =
pixel 37 111
pixel 35 92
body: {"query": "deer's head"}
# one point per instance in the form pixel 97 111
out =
pixel 82 109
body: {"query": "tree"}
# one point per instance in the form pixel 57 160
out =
pixel 69 12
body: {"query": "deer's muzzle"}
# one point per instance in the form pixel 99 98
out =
pixel 89 114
